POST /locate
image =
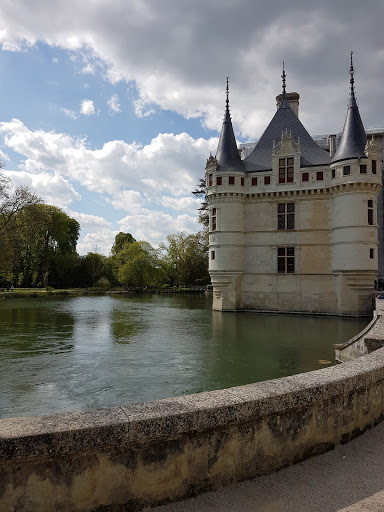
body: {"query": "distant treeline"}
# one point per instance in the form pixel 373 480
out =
pixel 38 249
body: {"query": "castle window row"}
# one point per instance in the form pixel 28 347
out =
pixel 286 174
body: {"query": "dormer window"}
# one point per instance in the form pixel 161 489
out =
pixel 210 180
pixel 286 170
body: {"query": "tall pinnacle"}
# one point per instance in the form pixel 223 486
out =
pixel 283 76
pixel 284 101
pixel 353 137
pixel 352 98
pixel 227 155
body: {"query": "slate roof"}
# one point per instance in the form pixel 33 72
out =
pixel 227 156
pixel 260 159
pixel 353 137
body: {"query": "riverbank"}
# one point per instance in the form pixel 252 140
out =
pixel 44 292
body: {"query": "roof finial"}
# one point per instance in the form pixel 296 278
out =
pixel 351 71
pixel 227 101
pixel 283 76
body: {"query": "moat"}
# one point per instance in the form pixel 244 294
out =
pixel 70 354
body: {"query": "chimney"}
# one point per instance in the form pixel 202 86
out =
pixel 293 100
pixel 332 141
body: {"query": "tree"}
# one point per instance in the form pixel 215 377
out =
pixel 186 259
pixel 95 264
pixel 14 202
pixel 138 265
pixel 203 210
pixel 46 243
pixel 121 239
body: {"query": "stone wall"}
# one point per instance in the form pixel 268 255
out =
pixel 126 458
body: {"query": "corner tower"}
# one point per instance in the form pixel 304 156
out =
pixel 225 184
pixel 356 178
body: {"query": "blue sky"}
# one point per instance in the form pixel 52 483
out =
pixel 109 110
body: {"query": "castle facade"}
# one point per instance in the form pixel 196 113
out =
pixel 293 226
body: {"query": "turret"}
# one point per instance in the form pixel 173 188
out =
pixel 225 189
pixel 355 180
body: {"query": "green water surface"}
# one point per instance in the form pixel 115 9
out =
pixel 78 353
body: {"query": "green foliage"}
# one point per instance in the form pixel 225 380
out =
pixel 203 210
pixel 121 239
pixel 38 241
pixel 138 266
pixel 185 260
pixel 103 284
pixel 95 265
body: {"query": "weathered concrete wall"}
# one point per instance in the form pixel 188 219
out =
pixel 126 458
pixel 369 339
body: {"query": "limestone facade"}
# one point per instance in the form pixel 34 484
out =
pixel 295 230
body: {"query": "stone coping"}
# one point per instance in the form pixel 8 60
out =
pixel 169 418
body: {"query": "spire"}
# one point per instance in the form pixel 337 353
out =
pixel 353 137
pixel 352 98
pixel 284 102
pixel 283 76
pixel 227 155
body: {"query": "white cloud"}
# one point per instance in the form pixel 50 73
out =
pixel 190 204
pixel 170 164
pixel 55 60
pixel 100 241
pixel 183 64
pixel 88 70
pixel 154 226
pixel 53 189
pixel 129 200
pixel 87 107
pixel 113 103
pixel 69 113
pixel 130 177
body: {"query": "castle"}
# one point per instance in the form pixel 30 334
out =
pixel 293 226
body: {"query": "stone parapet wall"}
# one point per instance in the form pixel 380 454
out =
pixel 369 339
pixel 126 458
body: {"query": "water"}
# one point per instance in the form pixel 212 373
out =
pixel 78 353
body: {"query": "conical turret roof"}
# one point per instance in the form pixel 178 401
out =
pixel 227 155
pixel 353 138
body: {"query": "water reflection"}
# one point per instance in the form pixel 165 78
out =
pixel 87 352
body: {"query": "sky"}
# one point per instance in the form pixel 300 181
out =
pixel 110 109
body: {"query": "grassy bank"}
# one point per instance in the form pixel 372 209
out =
pixel 43 292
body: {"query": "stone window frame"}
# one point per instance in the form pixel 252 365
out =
pixel 254 182
pixel 305 176
pixel 346 170
pixel 213 219
pixel 219 180
pixel 319 175
pixel 286 170
pixel 286 260
pixel 374 167
pixel 285 216
pixel 370 212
